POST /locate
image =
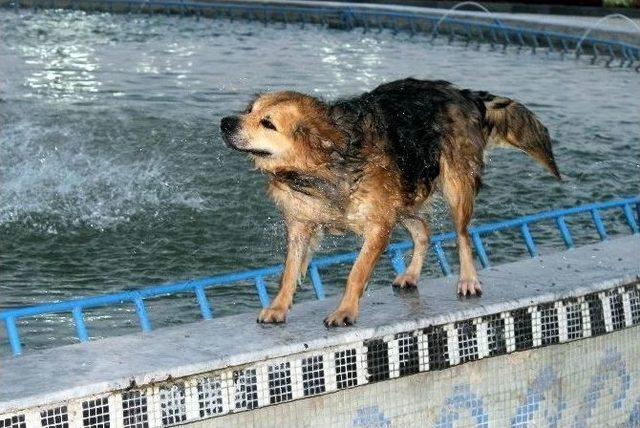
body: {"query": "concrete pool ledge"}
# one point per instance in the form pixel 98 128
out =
pixel 119 363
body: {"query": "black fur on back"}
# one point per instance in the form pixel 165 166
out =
pixel 411 115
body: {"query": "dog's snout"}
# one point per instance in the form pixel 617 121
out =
pixel 229 124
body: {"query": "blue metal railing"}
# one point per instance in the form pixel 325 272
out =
pixel 494 33
pixel 257 276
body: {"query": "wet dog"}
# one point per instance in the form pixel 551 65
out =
pixel 366 163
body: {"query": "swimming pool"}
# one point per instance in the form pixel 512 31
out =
pixel 114 174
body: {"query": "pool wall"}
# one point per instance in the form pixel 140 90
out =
pixel 580 384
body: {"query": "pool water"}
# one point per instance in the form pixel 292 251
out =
pixel 113 174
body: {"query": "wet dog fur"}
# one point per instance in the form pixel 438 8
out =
pixel 366 163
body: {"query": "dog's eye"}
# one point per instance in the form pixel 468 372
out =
pixel 268 124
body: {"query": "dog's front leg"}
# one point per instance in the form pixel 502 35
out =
pixel 298 236
pixel 375 241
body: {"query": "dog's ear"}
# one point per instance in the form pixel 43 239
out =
pixel 303 134
pixel 322 135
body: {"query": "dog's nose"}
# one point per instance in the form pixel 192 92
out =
pixel 229 124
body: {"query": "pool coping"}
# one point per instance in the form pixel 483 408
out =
pixel 118 363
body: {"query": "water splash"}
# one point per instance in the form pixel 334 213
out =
pixel 65 184
pixel 599 22
pixel 465 3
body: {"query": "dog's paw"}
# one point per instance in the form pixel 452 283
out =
pixel 341 317
pixel 406 280
pixel 272 316
pixel 469 287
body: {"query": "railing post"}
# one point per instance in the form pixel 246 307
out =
pixel 528 240
pixel 630 220
pixel 442 258
pixel 482 254
pixel 397 261
pixel 203 302
pixel 262 292
pixel 13 335
pixel 142 313
pixel 597 220
pixel 534 46
pixel 549 43
pixel 316 281
pixel 81 328
pixel 564 231
pixel 348 18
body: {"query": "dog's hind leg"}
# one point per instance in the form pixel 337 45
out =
pixel 459 187
pixel 376 238
pixel 419 230
pixel 298 237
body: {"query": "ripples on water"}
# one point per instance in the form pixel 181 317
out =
pixel 113 174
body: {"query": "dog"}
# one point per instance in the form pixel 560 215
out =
pixel 364 164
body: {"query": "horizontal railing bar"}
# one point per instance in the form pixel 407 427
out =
pixel 550 215
pixel 402 246
pixel 335 260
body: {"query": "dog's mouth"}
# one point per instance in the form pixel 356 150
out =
pixel 231 143
pixel 254 152
pixel 259 153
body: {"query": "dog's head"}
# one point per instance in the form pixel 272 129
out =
pixel 283 130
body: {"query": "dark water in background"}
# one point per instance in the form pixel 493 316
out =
pixel 113 174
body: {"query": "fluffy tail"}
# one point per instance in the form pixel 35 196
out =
pixel 510 124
